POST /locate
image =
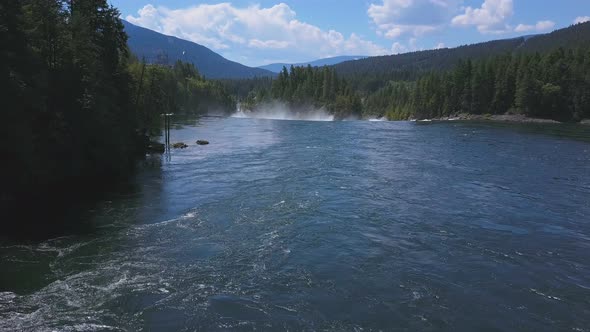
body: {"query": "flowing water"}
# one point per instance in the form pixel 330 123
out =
pixel 337 226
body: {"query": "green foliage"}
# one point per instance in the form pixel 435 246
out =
pixel 554 85
pixel 66 93
pixel 498 77
pixel 308 88
pixel 488 78
pixel 370 74
pixel 177 89
pixel 74 105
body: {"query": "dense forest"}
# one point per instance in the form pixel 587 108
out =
pixel 308 88
pixel 76 106
pixel 371 74
pixel 178 89
pixel 555 85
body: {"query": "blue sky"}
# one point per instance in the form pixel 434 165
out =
pixel 261 32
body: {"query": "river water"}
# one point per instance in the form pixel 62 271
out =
pixel 336 226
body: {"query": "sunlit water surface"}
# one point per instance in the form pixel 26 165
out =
pixel 325 226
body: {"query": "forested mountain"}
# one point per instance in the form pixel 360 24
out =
pixel 372 73
pixel 161 49
pixel 277 67
pixel 553 85
pixel 545 76
pixel 575 36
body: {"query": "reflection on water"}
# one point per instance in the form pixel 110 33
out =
pixel 325 226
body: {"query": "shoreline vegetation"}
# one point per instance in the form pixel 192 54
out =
pixel 511 118
pixel 78 107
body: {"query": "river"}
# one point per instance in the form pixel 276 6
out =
pixel 336 226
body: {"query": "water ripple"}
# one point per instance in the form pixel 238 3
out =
pixel 294 225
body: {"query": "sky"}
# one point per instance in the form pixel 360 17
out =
pixel 260 32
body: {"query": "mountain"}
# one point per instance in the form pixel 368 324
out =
pixel 376 70
pixel 158 48
pixel 277 67
pixel 572 37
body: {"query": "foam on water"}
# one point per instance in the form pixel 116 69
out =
pixel 280 111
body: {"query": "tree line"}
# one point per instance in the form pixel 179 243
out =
pixel 551 85
pixel 75 103
pixel 308 88
pixel 163 89
pixel 370 74
pixel 545 76
pixel 554 85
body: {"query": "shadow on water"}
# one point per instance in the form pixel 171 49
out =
pixel 52 224
pixel 68 210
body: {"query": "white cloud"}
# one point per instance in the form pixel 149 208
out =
pixel 247 30
pixel 491 17
pixel 148 18
pixel 539 27
pixel 398 48
pixel 395 18
pixel 277 44
pixel 440 46
pixel 544 25
pixel 581 19
pixel 524 28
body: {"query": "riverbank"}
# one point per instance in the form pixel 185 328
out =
pixel 516 118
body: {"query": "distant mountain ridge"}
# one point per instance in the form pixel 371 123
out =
pixel 277 67
pixel 406 66
pixel 159 48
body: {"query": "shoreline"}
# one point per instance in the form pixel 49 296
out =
pixel 511 118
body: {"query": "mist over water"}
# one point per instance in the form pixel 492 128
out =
pixel 281 111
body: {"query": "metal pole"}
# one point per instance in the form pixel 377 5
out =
pixel 167 129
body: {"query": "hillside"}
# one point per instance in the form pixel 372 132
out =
pixel 370 73
pixel 159 48
pixel 277 67
pixel 574 36
pixel 539 76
